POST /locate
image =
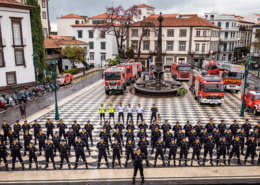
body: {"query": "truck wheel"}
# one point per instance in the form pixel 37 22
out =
pixel 139 75
pixel 255 111
pixel 195 97
pixel 219 103
pixel 237 91
pixel 122 91
pixel 107 92
pixel 124 87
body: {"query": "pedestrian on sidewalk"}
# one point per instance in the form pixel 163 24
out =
pixel 23 110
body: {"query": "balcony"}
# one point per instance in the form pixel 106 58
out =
pixel 254 54
pixel 230 39
pixel 230 29
pixel 199 52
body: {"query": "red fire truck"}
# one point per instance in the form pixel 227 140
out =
pixel 206 88
pixel 252 100
pixel 152 67
pixel 211 67
pixel 115 80
pixel 181 71
pixel 131 62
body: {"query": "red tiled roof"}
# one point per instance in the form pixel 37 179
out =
pixel 164 15
pixel 145 5
pixel 71 16
pixel 14 4
pixel 50 44
pixel 101 16
pixel 245 22
pixel 189 15
pixel 257 15
pixel 59 37
pixel 70 42
pixel 89 25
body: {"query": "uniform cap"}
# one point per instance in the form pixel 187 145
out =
pixel 56 132
pixel 258 122
pixel 143 120
pixel 88 121
pixel 25 121
pixel 228 128
pixel 172 139
pixel 142 128
pixel 143 136
pixel 204 128
pixel 153 104
pixel 106 121
pixel 48 139
pixel 235 120
pixel 70 127
pixel 210 134
pixel 60 119
pixel 197 138
pixel 139 104
pixel 237 135
pixel 188 121
pixel 9 128
pixel 242 128
pixel 111 102
pixel 129 138
pixel 198 122
pixel 129 104
pixel 35 120
pixel 166 120
pixel 40 129
pixel 17 120
pixel 211 119
pixel 217 128
pixel 78 137
pixel 75 120
pixel 104 127
pixel 138 148
pixel 4 121
pixel 14 139
pixel 253 135
pixel 223 136
pixel 159 138
pixel 101 138
pixel 48 119
pixel 102 103
pixel 130 121
pixel 63 140
pixel 168 129
pixel 26 130
pixel 177 122
pixel 116 139
pixel 192 128
pixel 180 128
pixel 247 119
pixel 183 137
pixel 154 120
pixel 31 143
pixel 120 103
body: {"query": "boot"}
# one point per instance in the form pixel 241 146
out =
pixel 229 162
pixel 125 164
pixel 100 123
pixel 89 153
pixel 245 162
pixel 186 163
pixel 98 166
pixel 142 179
pixel 69 166
pixel 69 152
pixel 174 163
pixel 91 143
pixel 258 161
pixel 107 165
pixel 151 152
pixel 55 154
pixel 217 162
pixel 36 166
pixel 238 162
pixel 154 164
pixel 86 165
pixel 54 167
pixel 40 154
pixel 199 163
pixel 191 163
pixel 179 162
pixel 13 167
pixel 147 163
pixel 168 163
pixel 60 166
pixel 46 166
pixel 24 154
pixel 22 166
pixel 113 164
pixel 228 152
pixel 76 166
pixel 252 162
pixel 203 164
pixel 164 163
pixel 30 166
pixel 133 182
pixel 211 162
pixel 6 166
pixel 119 162
pixel 108 153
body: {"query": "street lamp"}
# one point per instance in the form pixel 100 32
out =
pixel 53 64
pixel 83 53
pixel 247 59
pixel 121 51
pixel 201 60
pixel 35 57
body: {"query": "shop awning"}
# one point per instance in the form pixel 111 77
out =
pixel 142 56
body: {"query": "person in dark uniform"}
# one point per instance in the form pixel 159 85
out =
pixel 15 148
pixel 117 135
pixel 27 139
pixel 152 128
pixel 138 158
pixel 141 134
pixel 104 134
pixel 192 137
pixel 116 152
pixel 62 127
pixel 198 128
pixel 236 143
pixel 256 133
pixel 11 135
pixel 131 135
pixel 2 138
pixel 159 145
pixel 36 127
pixel 210 126
pixel 79 150
pixel 89 128
pixel 187 128
pixel 64 150
pixel 71 134
pixel 154 110
pixel 32 155
pixel 76 127
pixel 48 148
pixel 258 162
pixel 178 136
pixel 101 146
pixel 143 124
pixel 228 137
pixel 84 137
pixel 172 153
pixel 143 144
pixel 223 144
pixel 222 128
pixel 167 137
pixel 203 135
pixel 165 127
pixel 56 141
pixel 5 128
pixel 130 125
pixel 50 126
pixel 41 137
pixel 17 128
pixel 184 145
pixel 251 145
pixel 257 126
pixel 176 127
pixel 247 126
pixel 120 126
pixel 108 129
pixel 196 145
pixel 242 136
pixel 155 135
pixel 25 127
pixel 129 149
pixel 208 148
pixel 234 128
pixel 216 135
pixel 3 150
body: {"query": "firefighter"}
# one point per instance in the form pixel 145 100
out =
pixel 130 134
pixel 184 145
pixel 48 148
pixel 25 127
pixel 222 145
pixel 173 150
pixel 36 127
pixel 167 137
pixel 176 127
pixel 251 145
pixel 121 109
pixel 131 126
pixel 155 135
pixel 143 144
pixel 198 128
pixel 76 127
pixel 84 137
pixel 41 137
pixel 192 137
pixel 56 141
pixel 129 110
pixel 203 135
pixel 111 111
pixel 234 128
pixel 108 129
pixel 102 113
pixel 15 148
pixel 154 110
pixel 5 128
pixel 116 152
pixel 64 150
pixel 228 136
pixel 208 148
pixel 3 150
pixel 138 158
pixel 258 126
pixel 17 128
pixel 187 128
pixel 196 145
pixel 27 138
pixel 210 126
pixel 11 135
pixel 32 155
pixel 71 138
pixel 139 110
pixel 165 127
pixel 101 146
pixel 222 128
pixel 178 136
pixel 2 138
pixel 247 127
pixel 50 126
pixel 129 150
pixel 142 133
pixel 236 143
pixel 242 136
pixel 104 134
pixel 217 135
pixel 79 150
pixel 152 128
pixel 120 126
pixel 117 135
pixel 143 124
pixel 159 145
pixel 62 127
pixel 256 133
pixel 89 128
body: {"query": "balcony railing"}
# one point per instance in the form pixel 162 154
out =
pixel 230 39
pixel 254 54
pixel 199 52
pixel 230 28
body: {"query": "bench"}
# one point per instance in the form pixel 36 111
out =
pixel 16 88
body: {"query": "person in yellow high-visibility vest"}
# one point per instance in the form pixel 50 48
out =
pixel 111 111
pixel 102 112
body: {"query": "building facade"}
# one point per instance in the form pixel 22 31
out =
pixel 44 4
pixel 144 11
pixel 255 48
pixel 16 61
pixel 255 18
pixel 64 24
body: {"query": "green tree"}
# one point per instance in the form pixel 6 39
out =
pixel 221 42
pixel 113 62
pixel 74 54
pixel 37 36
pixel 130 52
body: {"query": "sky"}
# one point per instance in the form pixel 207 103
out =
pixel 58 8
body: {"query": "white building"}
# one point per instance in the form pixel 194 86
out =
pixel 44 4
pixel 255 18
pixel 145 11
pixel 64 24
pixel 16 61
pixel 254 51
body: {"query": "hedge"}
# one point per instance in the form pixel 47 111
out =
pixel 72 71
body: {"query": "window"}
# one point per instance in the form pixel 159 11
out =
pixel 204 33
pixel 103 34
pixel 182 46
pixel 43 4
pixel 219 24
pixel 226 34
pixel 135 33
pixel 19 57
pixel 156 33
pixel 98 22
pixel 2 63
pixel 257 33
pixel 91 45
pixel 17 37
pixel 206 16
pixel 181 60
pixel 170 33
pixel 203 48
pixel 91 33
pixel 147 33
pixel 44 15
pixel 91 55
pixel 169 46
pixel 197 47
pixel 146 45
pixel 225 47
pixel 66 67
pixel 10 78
pixel 103 56
pixel 169 61
pixel 197 33
pixel 80 34
pixel 103 45
pixel 76 22
pixel 227 24
pixel 23 1
pixel 211 16
pixel 144 17
pixel 135 45
pixel 49 51
pixel 45 32
pixel 183 33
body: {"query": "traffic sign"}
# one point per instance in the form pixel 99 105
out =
pixel 150 60
pixel 45 72
pixel 37 70
pixel 256 65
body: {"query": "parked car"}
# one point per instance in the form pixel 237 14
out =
pixel 64 79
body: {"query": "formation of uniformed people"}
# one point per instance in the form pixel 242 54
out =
pixel 227 141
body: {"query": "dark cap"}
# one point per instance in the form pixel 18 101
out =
pixel 78 137
pixel 25 121
pixel 40 129
pixel 56 133
pixel 210 134
pixel 116 139
pixel 106 121
pixel 180 128
pixel 17 120
pixel 48 139
pixel 172 139
pixel 222 120
pixel 237 135
pixel 104 127
pixel 48 119
pixel 75 120
pixel 217 128
pixel 35 120
pixel 4 121
pixel 129 138
pixel 88 121
pixel 70 127
pixel 168 129
pixel 143 136
pixel 63 140
pixel 247 119
pixel 31 143
pixel 159 138
pixel 138 148
pixel 60 119
pixel 9 128
pixel 197 138
pixel 223 136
